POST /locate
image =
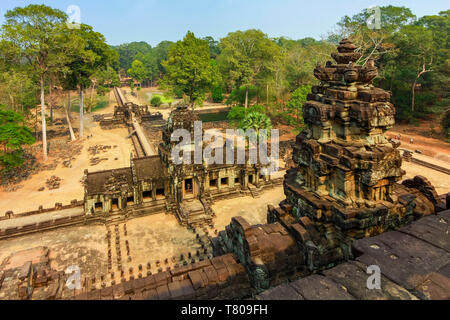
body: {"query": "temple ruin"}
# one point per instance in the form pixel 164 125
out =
pixel 344 211
pixel 157 183
pixel 344 185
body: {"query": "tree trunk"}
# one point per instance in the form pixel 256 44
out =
pixel 92 101
pixel 69 103
pixel 72 135
pixel 81 113
pixel 35 123
pixel 246 97
pixel 413 95
pixel 44 129
pixel 50 104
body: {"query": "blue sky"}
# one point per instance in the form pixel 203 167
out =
pixel 156 20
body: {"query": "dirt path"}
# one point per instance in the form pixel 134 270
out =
pixel 423 140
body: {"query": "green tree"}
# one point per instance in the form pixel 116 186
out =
pixel 214 48
pixel 128 51
pixel 18 90
pixel 241 94
pixel 150 63
pixel 107 78
pixel 415 55
pixel 247 57
pixel 137 71
pixel 295 104
pixel 373 43
pixel 13 135
pixel 189 68
pixel 161 53
pixel 445 123
pixel 91 55
pixel 155 101
pixel 34 34
pixel 238 113
pixel 217 94
pixel 256 121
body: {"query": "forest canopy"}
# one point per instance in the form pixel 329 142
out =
pixel 252 72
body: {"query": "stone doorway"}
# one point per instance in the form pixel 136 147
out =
pixel 130 201
pixel 160 194
pixel 98 207
pixel 147 196
pixel 188 188
pixel 115 204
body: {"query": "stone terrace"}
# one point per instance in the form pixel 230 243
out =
pixel 414 262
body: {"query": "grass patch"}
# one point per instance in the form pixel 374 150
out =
pixel 213 117
pixel 164 100
pixel 101 103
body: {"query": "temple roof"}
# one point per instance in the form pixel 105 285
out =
pixel 149 168
pixel 108 181
pixel 182 117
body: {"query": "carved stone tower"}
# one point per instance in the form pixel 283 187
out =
pixel 344 185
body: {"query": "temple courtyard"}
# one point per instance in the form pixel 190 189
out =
pixel 151 239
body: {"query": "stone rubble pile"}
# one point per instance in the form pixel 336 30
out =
pixel 53 183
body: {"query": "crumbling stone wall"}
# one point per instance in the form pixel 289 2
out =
pixel 217 278
pixel 268 252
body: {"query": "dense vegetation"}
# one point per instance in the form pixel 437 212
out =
pixel 412 54
pixel 42 56
pixel 264 79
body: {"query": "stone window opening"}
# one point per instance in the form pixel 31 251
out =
pixel 98 206
pixel 250 179
pixel 188 187
pixel 160 194
pixel 115 204
pixel 213 183
pixel 224 182
pixel 147 196
pixel 237 181
pixel 130 200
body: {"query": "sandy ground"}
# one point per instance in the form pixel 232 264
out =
pixel 423 139
pixel 439 180
pixel 155 239
pixel 84 246
pixel 254 210
pixel 29 198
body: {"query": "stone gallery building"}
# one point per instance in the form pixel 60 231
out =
pixel 157 183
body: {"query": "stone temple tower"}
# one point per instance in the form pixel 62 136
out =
pixel 345 182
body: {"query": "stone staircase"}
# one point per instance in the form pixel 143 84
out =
pixel 254 191
pixel 194 212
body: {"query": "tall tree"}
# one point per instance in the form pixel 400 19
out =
pixel 161 53
pixel 137 71
pixel 246 57
pixel 373 42
pixel 150 64
pixel 214 49
pixel 189 68
pixel 128 51
pixel 416 53
pixel 92 55
pixel 34 33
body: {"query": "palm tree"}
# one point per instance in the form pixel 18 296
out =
pixel 256 121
